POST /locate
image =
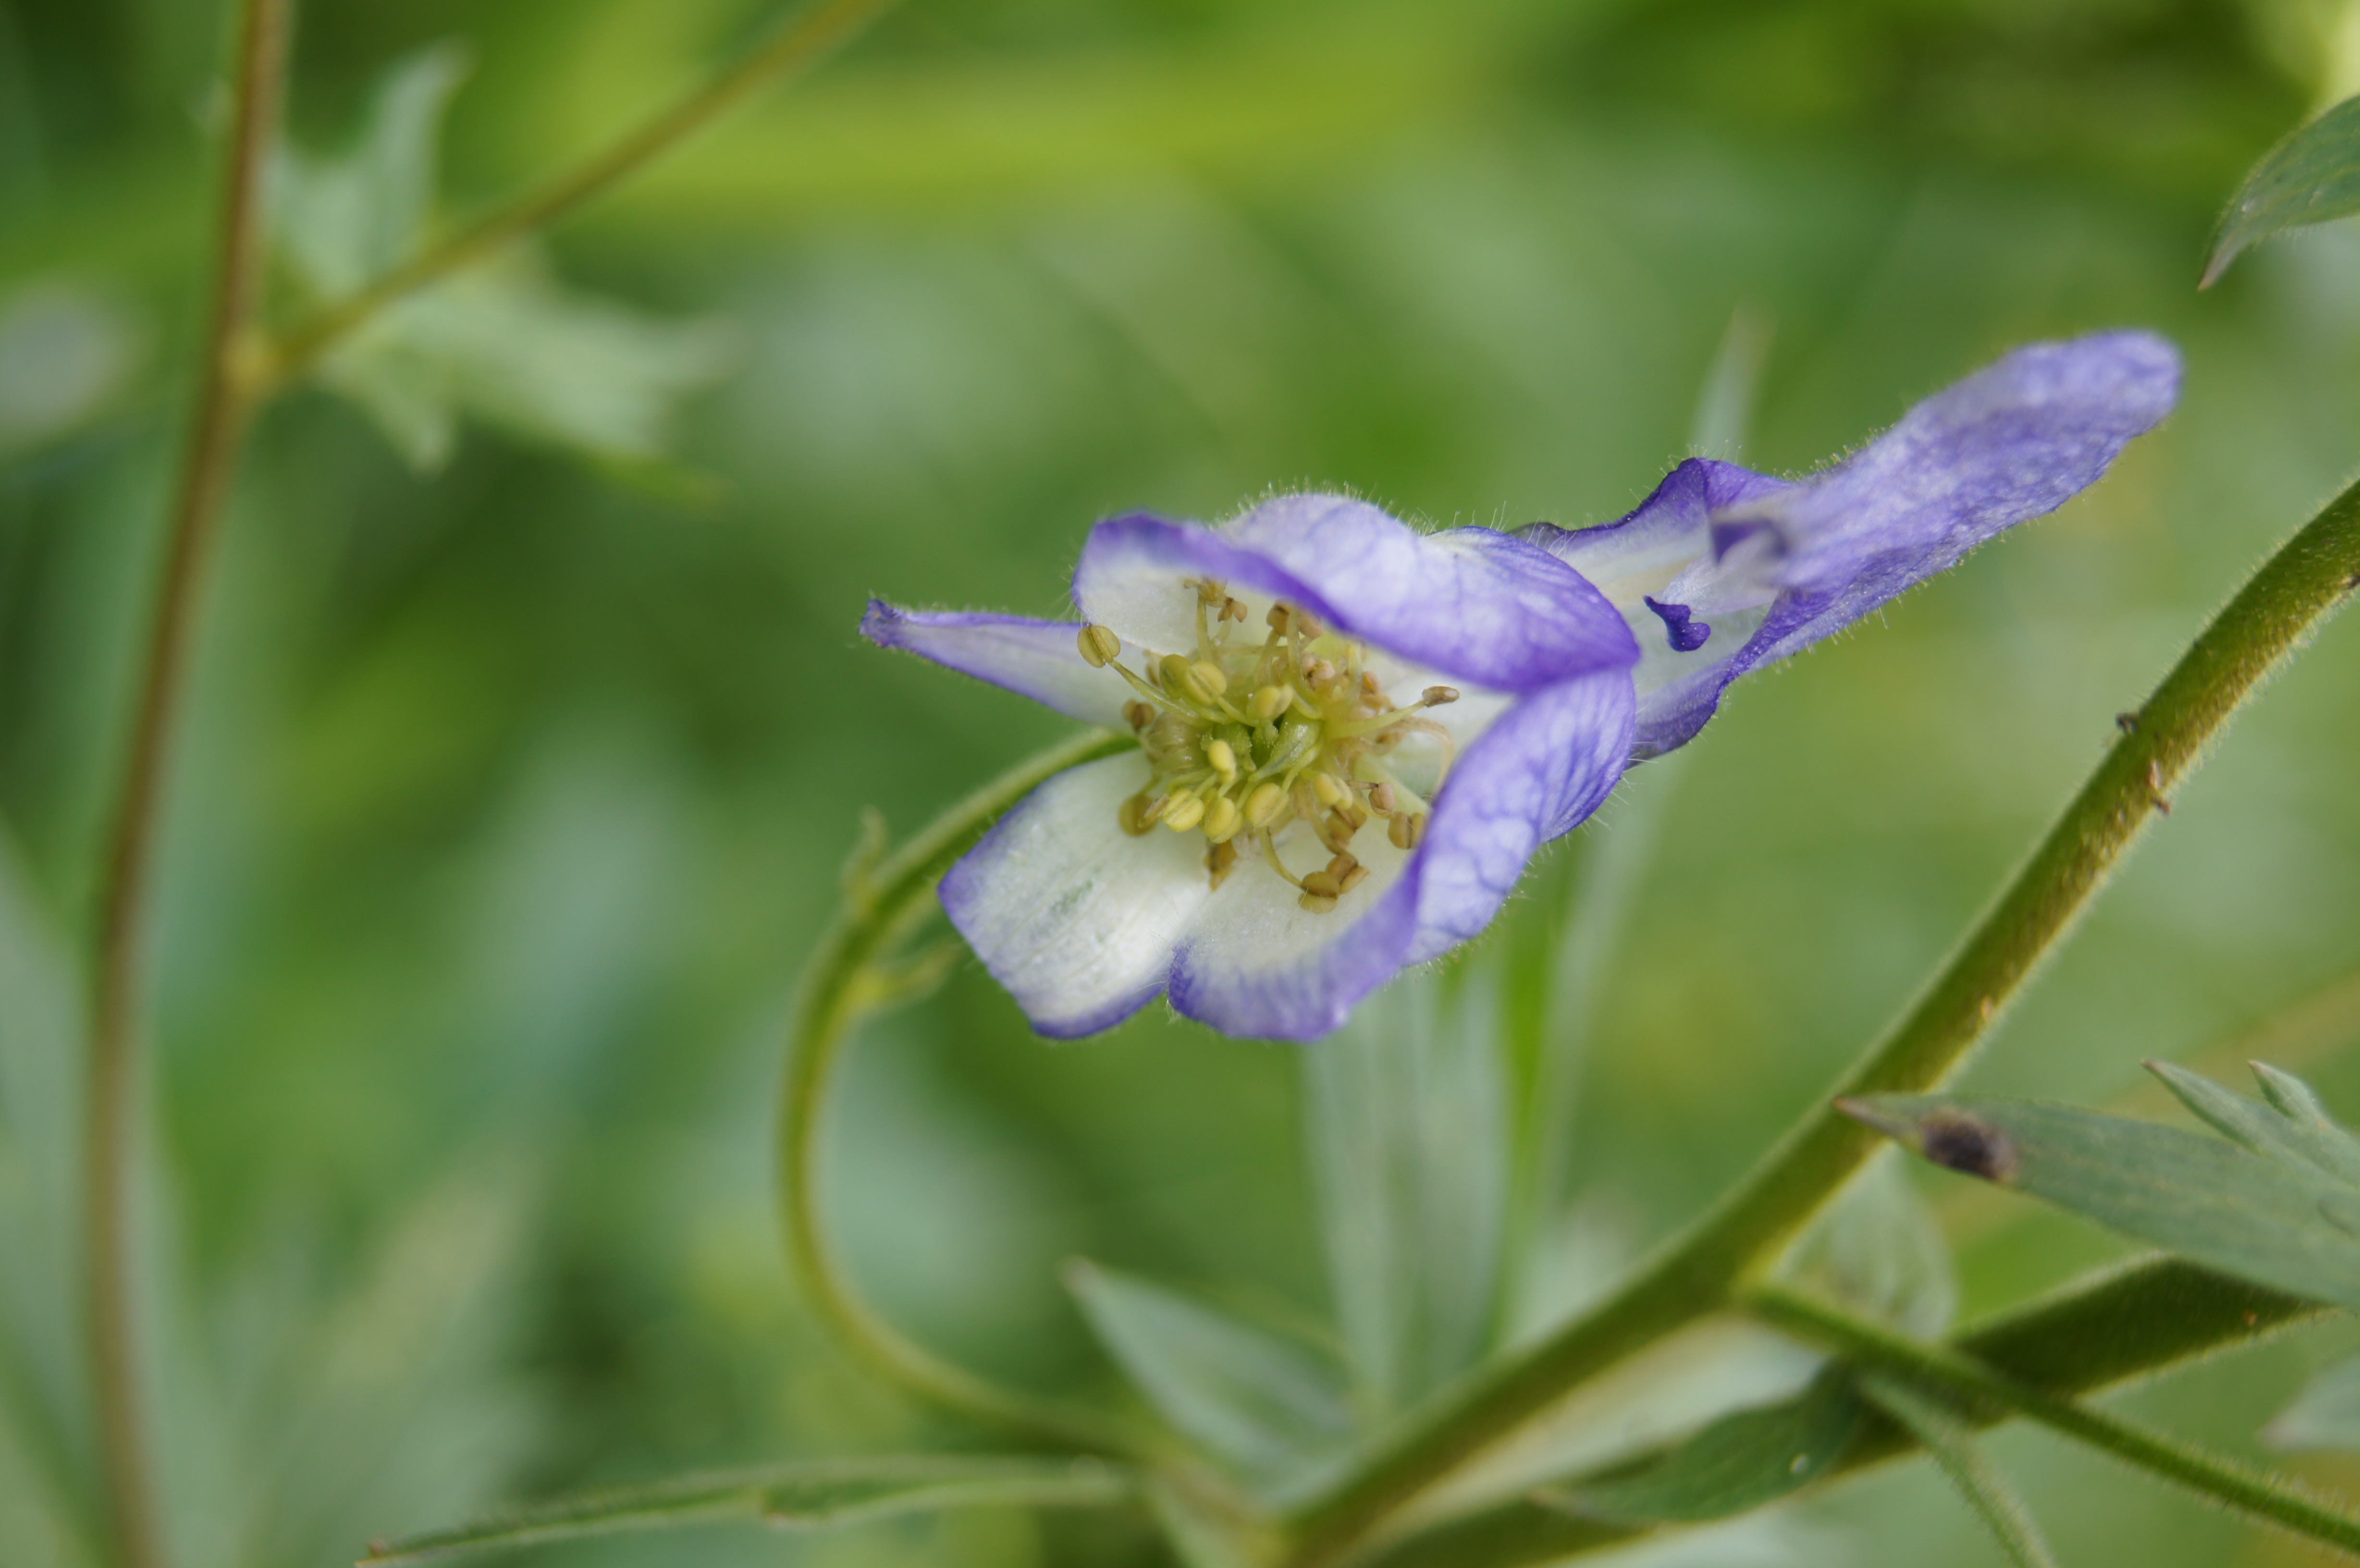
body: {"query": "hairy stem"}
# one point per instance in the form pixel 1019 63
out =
pixel 1942 1434
pixel 2272 1499
pixel 2311 576
pixel 225 406
pixel 797 44
pixel 844 982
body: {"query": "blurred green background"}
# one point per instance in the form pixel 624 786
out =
pixel 513 795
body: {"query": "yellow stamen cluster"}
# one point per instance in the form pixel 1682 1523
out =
pixel 1244 740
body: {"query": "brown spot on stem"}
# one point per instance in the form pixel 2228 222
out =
pixel 2154 794
pixel 1972 1148
pixel 2127 723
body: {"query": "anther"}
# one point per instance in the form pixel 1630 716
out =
pixel 1262 806
pixel 1234 610
pixel 1133 816
pixel 1210 592
pixel 1270 702
pixel 1211 677
pixel 1277 618
pixel 1435 696
pixel 1407 831
pixel 1351 812
pixel 1320 885
pixel 1381 800
pixel 1308 624
pixel 1182 812
pixel 1222 820
pixel 1099 647
pixel 1369 689
pixel 1352 879
pixel 1223 759
pixel 1220 860
pixel 1137 714
pixel 1317 903
pixel 1330 790
pixel 1341 866
pixel 1319 673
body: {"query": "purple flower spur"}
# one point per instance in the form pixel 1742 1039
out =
pixel 1723 570
pixel 1353 736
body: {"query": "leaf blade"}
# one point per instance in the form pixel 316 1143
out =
pixel 1742 1462
pixel 1244 1394
pixel 2276 1221
pixel 821 1493
pixel 2309 177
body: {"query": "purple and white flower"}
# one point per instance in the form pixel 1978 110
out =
pixel 1290 834
pixel 1353 736
pixel 1722 570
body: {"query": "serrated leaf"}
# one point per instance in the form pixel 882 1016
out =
pixel 1738 1464
pixel 2325 1414
pixel 2268 1211
pixel 2309 177
pixel 817 1494
pixel 501 339
pixel 1878 1252
pixel 1269 1406
pixel 1410 1144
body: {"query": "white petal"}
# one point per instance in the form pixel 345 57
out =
pixel 1075 917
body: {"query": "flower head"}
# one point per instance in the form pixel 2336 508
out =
pixel 1351 738
pixel 1722 570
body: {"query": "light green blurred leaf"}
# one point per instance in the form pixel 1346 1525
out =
pixel 46 1487
pixel 1410 1144
pixel 1738 1464
pixel 2325 1413
pixel 816 1494
pixel 2309 177
pixel 1879 1252
pixel 2280 1206
pixel 1952 1443
pixel 501 339
pixel 1268 1405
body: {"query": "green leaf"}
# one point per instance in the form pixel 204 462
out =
pixel 501 339
pixel 2325 1414
pixel 2309 177
pixel 1878 1252
pixel 1738 1464
pixel 1410 1144
pixel 818 1494
pixel 2279 1206
pixel 1952 1443
pixel 1269 1406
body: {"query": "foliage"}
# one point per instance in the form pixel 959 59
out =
pixel 503 796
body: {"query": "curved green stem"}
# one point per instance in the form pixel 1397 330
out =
pixel 796 46
pixel 2309 578
pixel 1947 1373
pixel 225 408
pixel 845 981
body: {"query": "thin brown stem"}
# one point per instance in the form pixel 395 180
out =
pixel 225 407
pixel 796 46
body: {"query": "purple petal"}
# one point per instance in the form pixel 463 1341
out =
pixel 1470 604
pixel 1777 566
pixel 1040 659
pixel 2010 442
pixel 1534 775
pixel 1075 917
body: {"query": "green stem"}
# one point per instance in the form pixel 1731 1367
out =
pixel 2271 1499
pixel 2309 578
pixel 225 408
pixel 843 983
pixel 1942 1434
pixel 796 46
